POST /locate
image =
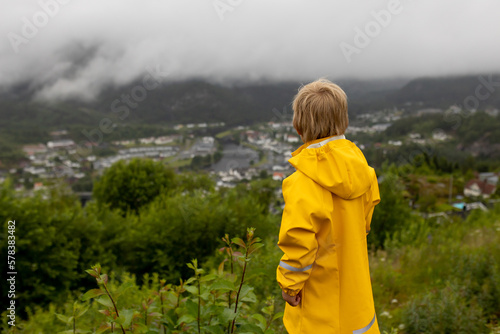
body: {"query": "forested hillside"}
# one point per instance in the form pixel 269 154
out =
pixel 443 92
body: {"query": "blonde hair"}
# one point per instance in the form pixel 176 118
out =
pixel 320 110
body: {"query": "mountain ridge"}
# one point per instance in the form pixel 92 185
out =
pixel 196 101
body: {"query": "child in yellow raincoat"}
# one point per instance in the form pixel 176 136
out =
pixel 329 202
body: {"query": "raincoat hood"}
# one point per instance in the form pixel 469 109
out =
pixel 336 164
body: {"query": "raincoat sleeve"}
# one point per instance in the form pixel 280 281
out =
pixel 297 237
pixel 372 199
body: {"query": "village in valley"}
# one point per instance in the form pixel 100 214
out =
pixel 230 154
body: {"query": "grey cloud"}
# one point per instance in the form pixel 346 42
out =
pixel 89 44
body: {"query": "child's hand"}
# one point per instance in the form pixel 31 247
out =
pixel 292 301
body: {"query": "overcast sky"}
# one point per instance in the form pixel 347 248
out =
pixel 75 47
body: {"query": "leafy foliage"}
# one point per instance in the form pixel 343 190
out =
pixel 57 238
pixel 54 242
pixel 440 279
pixel 392 214
pixel 176 228
pixel 127 186
pixel 217 302
pixel 444 311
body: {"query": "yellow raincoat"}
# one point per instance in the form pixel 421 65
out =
pixel 329 203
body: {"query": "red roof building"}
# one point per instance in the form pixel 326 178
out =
pixel 477 188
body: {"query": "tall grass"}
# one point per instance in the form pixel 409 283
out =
pixel 441 279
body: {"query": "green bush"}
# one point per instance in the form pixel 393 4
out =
pixel 218 302
pixel 445 311
pixel 176 228
pixel 429 274
pixel 128 186
pixel 392 214
pixel 55 240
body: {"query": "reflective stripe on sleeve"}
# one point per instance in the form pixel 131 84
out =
pixel 366 328
pixel 289 267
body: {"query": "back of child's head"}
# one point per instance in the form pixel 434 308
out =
pixel 320 110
